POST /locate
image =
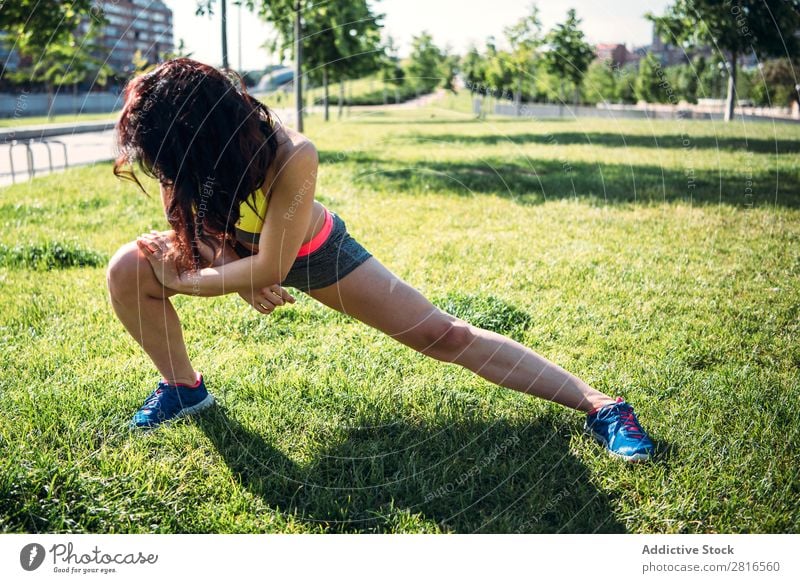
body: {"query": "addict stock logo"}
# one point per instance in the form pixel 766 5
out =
pixel 31 556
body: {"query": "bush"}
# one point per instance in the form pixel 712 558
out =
pixel 49 255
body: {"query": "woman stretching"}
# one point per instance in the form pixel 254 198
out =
pixel 238 191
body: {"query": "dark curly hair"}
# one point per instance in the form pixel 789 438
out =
pixel 201 135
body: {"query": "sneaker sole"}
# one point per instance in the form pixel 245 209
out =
pixel 635 458
pixel 204 404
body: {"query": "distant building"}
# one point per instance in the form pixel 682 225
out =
pixel 615 54
pixel 636 54
pixel 666 53
pixel 134 25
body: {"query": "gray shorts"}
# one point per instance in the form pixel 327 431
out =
pixel 336 257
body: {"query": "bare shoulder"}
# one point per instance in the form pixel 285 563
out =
pixel 296 160
pixel 297 152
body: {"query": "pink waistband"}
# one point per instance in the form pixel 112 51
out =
pixel 319 238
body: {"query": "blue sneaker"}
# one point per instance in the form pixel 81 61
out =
pixel 617 428
pixel 170 402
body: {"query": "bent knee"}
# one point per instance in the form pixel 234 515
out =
pixel 129 272
pixel 446 337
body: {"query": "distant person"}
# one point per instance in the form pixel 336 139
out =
pixel 238 191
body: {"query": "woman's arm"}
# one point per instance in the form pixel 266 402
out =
pixel 285 226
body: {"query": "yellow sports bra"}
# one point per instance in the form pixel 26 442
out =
pixel 248 228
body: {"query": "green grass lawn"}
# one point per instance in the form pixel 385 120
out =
pixel 364 91
pixel 63 118
pixel 659 261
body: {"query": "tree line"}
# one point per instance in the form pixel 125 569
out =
pixel 331 42
pixel 560 65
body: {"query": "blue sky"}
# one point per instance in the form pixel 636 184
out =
pixel 451 22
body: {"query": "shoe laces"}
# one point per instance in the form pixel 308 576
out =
pixel 153 400
pixel 628 421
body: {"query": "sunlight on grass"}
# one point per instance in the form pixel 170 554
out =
pixel 61 118
pixel 663 272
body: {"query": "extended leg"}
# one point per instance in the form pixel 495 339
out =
pixel 372 294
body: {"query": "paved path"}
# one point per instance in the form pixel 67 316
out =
pixel 81 149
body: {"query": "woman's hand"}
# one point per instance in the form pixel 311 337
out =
pixel 159 250
pixel 268 298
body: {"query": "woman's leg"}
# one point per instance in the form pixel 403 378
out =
pixel 374 295
pixel 142 305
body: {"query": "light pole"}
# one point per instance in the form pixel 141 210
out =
pixel 239 14
pixel 298 67
pixel 224 8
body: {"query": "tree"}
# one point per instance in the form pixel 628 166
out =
pixel 286 16
pixel 647 81
pixel 31 25
pixel 473 72
pixel 700 66
pixel 525 37
pixel 776 83
pixel 341 40
pixel 709 74
pixel 392 72
pixel 45 33
pixel 602 84
pixel 179 51
pixel 66 62
pixel 627 79
pixel 333 37
pixel 500 70
pixel 473 69
pixel 449 69
pixel 568 55
pixel 424 67
pixel 140 64
pixel 765 27
pixel 692 75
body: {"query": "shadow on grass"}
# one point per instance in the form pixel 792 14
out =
pixel 621 140
pixel 466 476
pixel 529 180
